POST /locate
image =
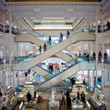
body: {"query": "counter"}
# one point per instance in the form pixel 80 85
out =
pixel 97 104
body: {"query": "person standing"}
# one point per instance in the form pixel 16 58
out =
pixel 84 81
pixel 28 96
pixel 40 48
pixel 76 57
pixel 0 93
pixel 87 56
pixel 68 33
pixel 78 95
pixel 50 40
pixel 61 37
pixel 68 100
pixel 100 55
pixel 63 98
pixel 26 75
pixel 45 47
pixel 94 55
pixel 34 94
pixel 83 97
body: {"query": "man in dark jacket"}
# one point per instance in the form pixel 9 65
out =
pixel 28 96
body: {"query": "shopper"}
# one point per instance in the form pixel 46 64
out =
pixel 34 94
pixel 49 40
pixel 29 71
pixel 40 48
pixel 26 75
pixel 83 97
pixel 108 25
pixel 61 37
pixel 87 56
pixel 94 55
pixel 45 47
pixel 105 57
pixel 68 100
pixel 0 93
pixel 78 95
pixel 76 57
pixel 28 96
pixel 84 81
pixel 63 98
pixel 68 33
pixel 100 55
pixel 51 68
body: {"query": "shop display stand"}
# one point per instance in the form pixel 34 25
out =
pixel 97 101
pixel 78 104
pixel 53 102
pixel 10 101
pixel 10 97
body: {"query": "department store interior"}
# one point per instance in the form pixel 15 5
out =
pixel 55 55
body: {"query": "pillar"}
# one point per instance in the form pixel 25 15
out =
pixel 4 80
pixel 96 43
pixel 89 77
pixel 10 48
pixel 103 78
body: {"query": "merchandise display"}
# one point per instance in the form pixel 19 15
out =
pixel 78 104
pixel 97 100
pixel 27 87
pixel 30 106
pixel 53 102
pixel 10 101
pixel 78 87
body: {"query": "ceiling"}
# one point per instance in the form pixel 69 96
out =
pixel 53 23
pixel 54 0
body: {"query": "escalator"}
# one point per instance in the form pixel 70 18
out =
pixel 35 38
pixel 64 74
pixel 81 36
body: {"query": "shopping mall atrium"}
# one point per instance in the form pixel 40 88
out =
pixel 55 55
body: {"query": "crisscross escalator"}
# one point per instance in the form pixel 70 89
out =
pixel 81 36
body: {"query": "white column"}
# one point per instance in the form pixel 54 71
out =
pixel 103 77
pixel 4 80
pixel 103 36
pixel 96 42
pixel 10 48
pixel 4 57
pixel 3 36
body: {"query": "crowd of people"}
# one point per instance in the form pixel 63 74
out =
pixel 100 56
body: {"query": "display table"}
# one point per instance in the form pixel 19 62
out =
pixel 54 105
pixel 98 104
pixel 79 88
pixel 30 106
pixel 77 106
